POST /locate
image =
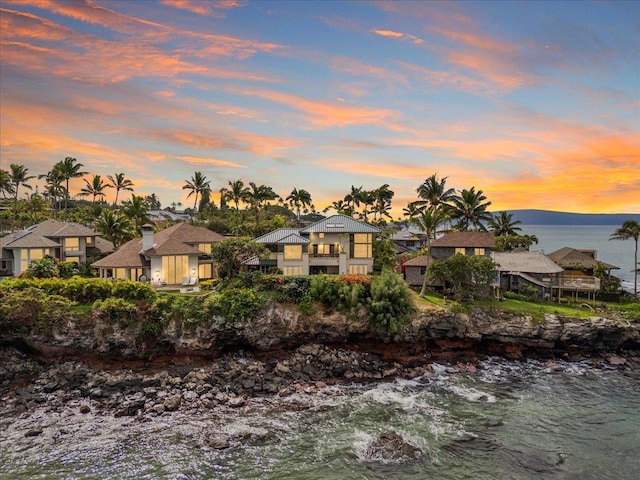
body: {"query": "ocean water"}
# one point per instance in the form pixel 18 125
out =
pixel 596 237
pixel 509 421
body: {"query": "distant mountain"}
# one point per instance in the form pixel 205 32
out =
pixel 547 217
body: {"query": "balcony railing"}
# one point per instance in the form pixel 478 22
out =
pixel 578 283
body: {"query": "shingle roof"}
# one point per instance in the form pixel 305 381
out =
pixel 568 257
pixel 55 229
pixel 466 239
pixel 27 239
pixel 128 255
pixel 340 224
pixel 180 238
pixel 419 261
pixel 525 262
pixel 176 240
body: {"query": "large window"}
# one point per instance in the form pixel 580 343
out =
pixel 205 247
pixel 325 249
pixel 362 245
pixel 461 250
pixel 71 244
pixel 28 255
pixel 175 269
pixel 292 270
pixel 205 270
pixel 293 252
pixel 358 269
pixel 478 251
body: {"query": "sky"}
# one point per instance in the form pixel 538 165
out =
pixel 537 104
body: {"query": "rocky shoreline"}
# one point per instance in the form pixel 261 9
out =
pixel 105 369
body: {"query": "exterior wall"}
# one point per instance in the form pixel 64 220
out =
pixel 414 275
pixel 442 253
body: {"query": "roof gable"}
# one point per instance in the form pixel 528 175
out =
pixel 55 229
pixel 525 262
pixel 340 224
pixel 277 235
pixel 568 257
pixel 466 240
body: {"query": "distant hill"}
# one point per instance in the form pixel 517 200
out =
pixel 547 217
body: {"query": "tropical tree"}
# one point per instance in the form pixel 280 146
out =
pixel 114 227
pixel 231 254
pixel 6 186
pixel 505 243
pixel 341 207
pixel 53 189
pixel 470 209
pixel 354 198
pixel 502 224
pixel 259 195
pixel 434 191
pixel 136 210
pixel 19 175
pixel 382 197
pixel 94 188
pixel 299 199
pixel 69 168
pixel 630 229
pixel 120 182
pixel 236 193
pixel 196 186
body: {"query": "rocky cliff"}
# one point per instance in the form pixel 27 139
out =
pixel 282 328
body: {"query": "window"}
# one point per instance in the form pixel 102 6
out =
pixel 72 244
pixel 292 270
pixel 28 255
pixel 423 270
pixel 478 251
pixel 362 245
pixel 205 270
pixel 321 235
pixel 205 248
pixel 120 273
pixel 357 269
pixel 461 250
pixel 89 241
pixel 293 252
pixel 324 249
pixel 175 268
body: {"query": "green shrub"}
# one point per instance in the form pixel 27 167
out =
pixel 188 309
pixel 116 310
pixel 390 304
pixel 134 291
pixel 345 293
pixel 23 309
pixel 234 304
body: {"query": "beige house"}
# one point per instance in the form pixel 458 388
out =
pixel 522 269
pixel 177 256
pixel 335 245
pixel 65 241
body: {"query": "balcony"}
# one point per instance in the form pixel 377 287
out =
pixel 578 283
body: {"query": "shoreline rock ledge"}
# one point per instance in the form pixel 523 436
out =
pixel 281 329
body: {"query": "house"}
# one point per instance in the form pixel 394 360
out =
pixel 521 270
pixel 65 241
pixel 409 240
pixel 465 243
pixel 579 262
pixel 336 245
pixel 176 256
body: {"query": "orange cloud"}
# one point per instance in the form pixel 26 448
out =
pixel 210 161
pixel 213 8
pixel 324 114
pixel 357 68
pixel 398 35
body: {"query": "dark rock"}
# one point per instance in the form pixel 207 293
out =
pixel 85 409
pixel 389 446
pixel 34 432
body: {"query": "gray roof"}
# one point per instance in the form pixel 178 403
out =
pixel 340 224
pixel 277 235
pixel 27 239
pixel 55 229
pixel 525 262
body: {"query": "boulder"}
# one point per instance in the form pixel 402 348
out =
pixel 391 447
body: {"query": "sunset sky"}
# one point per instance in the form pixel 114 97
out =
pixel 535 103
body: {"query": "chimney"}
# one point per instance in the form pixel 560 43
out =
pixel 147 237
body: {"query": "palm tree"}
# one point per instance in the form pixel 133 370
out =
pixel 6 186
pixel 19 175
pixel 197 185
pixel 258 196
pixel 630 229
pixel 341 207
pixel 469 210
pixel 354 198
pixel 69 168
pixel 434 191
pixel 114 227
pixel 95 188
pixel 136 209
pixel 119 182
pixel 236 193
pixel 503 224
pixel 54 190
pixel 429 220
pixel 382 197
pixel 299 199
